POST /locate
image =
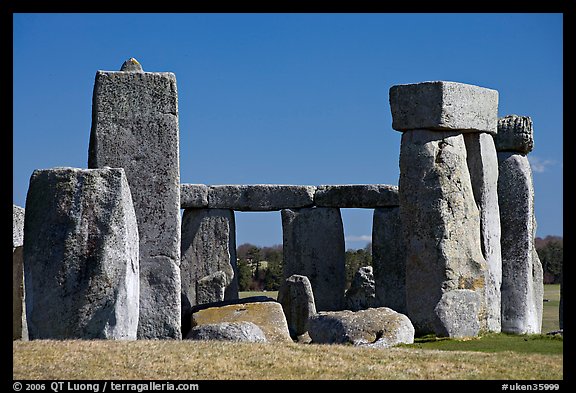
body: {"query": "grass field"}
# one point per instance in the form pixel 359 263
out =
pixel 491 356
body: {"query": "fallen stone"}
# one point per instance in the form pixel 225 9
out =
pixel 193 196
pixel 441 225
pixel 260 197
pixel 249 299
pixel 81 255
pixel 268 316
pixel 313 246
pixel 389 259
pixel 19 325
pixel 362 292
pixel 515 133
pixel 135 127
pixel 374 327
pixel 357 196
pixel 442 106
pixel 208 247
pixel 228 331
pixel 522 276
pixel 483 167
pixel 297 300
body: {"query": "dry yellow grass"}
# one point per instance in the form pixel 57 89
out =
pixel 193 360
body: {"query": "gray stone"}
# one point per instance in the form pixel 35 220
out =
pixel 457 313
pixel 193 196
pixel 483 167
pixel 362 292
pixel 357 196
pixel 515 133
pixel 81 255
pixel 135 127
pixel 297 300
pixel 19 325
pixel 444 105
pixel 260 197
pixel 208 247
pixel 375 327
pixel 17 226
pixel 211 288
pixel 522 278
pixel 268 316
pixel 313 246
pixel 228 331
pixel 131 65
pixel 389 259
pixel 441 225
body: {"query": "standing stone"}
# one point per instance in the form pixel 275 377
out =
pixel 522 276
pixel 483 167
pixel 208 259
pixel 389 259
pixel 362 292
pixel 313 246
pixel 81 255
pixel 19 325
pixel 297 300
pixel 135 127
pixel 439 217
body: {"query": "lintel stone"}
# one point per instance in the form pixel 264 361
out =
pixel 357 196
pixel 260 197
pixel 515 133
pixel 193 196
pixel 442 105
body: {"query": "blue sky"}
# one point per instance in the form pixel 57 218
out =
pixel 287 98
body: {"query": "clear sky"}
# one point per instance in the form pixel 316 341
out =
pixel 287 98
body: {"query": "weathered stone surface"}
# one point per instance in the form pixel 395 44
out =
pixel 266 315
pixel 260 197
pixel 17 226
pixel 441 105
pixel 483 167
pixel 375 327
pixel 357 196
pixel 193 196
pixel 297 300
pixel 81 255
pixel 515 133
pixel 211 288
pixel 389 259
pixel 362 292
pixel 522 278
pixel 135 127
pixel 457 313
pixel 208 247
pixel 441 225
pixel 131 65
pixel 19 325
pixel 228 331
pixel 313 246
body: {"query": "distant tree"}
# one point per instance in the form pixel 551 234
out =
pixel 355 259
pixel 551 253
pixel 273 278
pixel 244 275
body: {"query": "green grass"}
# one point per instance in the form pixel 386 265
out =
pixel 492 342
pixel 550 317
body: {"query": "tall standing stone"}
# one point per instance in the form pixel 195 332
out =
pixel 208 267
pixel 313 246
pixel 297 300
pixel 483 167
pixel 135 127
pixel 522 276
pixel 445 269
pixel 389 259
pixel 19 325
pixel 81 255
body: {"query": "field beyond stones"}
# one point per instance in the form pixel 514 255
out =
pixel 493 356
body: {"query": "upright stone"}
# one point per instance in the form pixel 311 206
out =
pixel 208 266
pixel 522 276
pixel 297 300
pixel 314 247
pixel 135 126
pixel 81 255
pixel 389 259
pixel 445 268
pixel 362 292
pixel 483 167
pixel 19 325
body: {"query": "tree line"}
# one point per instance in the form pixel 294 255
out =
pixel 260 268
